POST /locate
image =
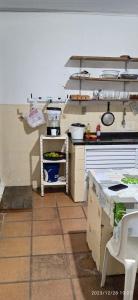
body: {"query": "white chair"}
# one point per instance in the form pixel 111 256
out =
pixel 125 250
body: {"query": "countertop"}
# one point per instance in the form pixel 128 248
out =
pixel 109 177
pixel 110 138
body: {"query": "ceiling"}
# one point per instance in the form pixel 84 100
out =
pixel 125 7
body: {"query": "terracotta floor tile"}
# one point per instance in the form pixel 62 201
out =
pixel 47 201
pixel 71 212
pixel 75 242
pixel 44 202
pixel 14 229
pixel 48 195
pixel 50 244
pixel 47 213
pixel 52 290
pixel 73 225
pixel 14 269
pixel 60 194
pixel 49 267
pixel 18 216
pixel 15 247
pixel 14 291
pixel 50 227
pixel 81 264
pixel 65 200
pixel 89 287
pixel 85 208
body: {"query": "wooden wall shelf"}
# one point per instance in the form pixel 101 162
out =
pixel 103 79
pixel 104 58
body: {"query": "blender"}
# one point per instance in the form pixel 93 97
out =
pixel 53 121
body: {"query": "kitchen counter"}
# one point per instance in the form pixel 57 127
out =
pixel 114 150
pixel 110 138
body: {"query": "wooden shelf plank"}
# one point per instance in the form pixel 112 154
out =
pixel 104 58
pixel 99 100
pixel 103 79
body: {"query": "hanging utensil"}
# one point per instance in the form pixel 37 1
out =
pixel 108 118
pixel 123 120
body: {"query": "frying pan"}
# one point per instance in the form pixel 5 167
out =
pixel 108 118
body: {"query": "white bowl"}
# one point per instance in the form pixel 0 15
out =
pixel 110 73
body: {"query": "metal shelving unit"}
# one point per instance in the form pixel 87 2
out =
pixel 123 62
pixel 64 144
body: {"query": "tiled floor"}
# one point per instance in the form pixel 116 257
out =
pixel 44 254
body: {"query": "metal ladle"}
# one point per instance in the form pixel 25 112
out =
pixel 123 119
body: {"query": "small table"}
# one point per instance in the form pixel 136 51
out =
pixel 101 203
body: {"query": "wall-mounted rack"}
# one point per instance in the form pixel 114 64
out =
pixel 46 100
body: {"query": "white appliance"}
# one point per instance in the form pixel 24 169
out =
pixel 53 121
pixel 77 131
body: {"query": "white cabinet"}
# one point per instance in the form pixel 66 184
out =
pixel 77 182
pixel 86 157
pixel 59 143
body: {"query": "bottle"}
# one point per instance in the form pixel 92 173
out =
pixel 88 128
pixel 98 131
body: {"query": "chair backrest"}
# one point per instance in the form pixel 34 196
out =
pixel 129 227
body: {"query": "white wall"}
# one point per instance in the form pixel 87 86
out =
pixel 34 48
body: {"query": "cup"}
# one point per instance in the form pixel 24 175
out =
pixel 54 132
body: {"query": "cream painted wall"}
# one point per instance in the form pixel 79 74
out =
pixel 1 145
pixel 19 159
pixel 35 48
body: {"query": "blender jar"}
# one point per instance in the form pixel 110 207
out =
pixel 53 121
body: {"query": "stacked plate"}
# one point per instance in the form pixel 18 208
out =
pixel 129 76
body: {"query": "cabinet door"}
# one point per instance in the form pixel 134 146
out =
pixel 77 173
pixel 111 156
pixel 94 224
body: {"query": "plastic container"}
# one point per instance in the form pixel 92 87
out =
pixel 77 131
pixel 51 172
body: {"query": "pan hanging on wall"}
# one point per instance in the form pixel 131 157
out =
pixel 108 118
